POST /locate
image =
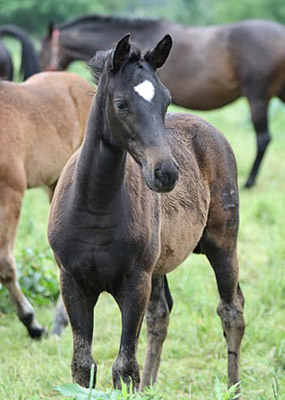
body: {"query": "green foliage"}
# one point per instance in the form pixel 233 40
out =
pixel 126 393
pixel 35 15
pixel 77 392
pixel 38 275
pixel 230 394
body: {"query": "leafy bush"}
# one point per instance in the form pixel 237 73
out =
pixel 38 277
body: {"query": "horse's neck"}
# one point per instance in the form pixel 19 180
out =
pixel 100 169
pixel 104 34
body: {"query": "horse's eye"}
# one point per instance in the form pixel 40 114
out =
pixel 120 105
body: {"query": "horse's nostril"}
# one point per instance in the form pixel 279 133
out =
pixel 158 173
pixel 166 175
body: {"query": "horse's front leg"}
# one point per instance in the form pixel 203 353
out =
pixel 132 300
pixel 80 311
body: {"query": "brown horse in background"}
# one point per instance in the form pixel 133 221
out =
pixel 42 123
pixel 29 62
pixel 120 220
pixel 208 68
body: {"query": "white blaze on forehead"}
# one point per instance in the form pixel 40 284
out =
pixel 145 89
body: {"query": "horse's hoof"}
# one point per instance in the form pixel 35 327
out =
pixel 37 332
pixel 248 185
pixel 128 374
pixel 81 374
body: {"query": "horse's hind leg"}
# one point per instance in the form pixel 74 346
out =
pixel 218 243
pixel 10 205
pixel 157 320
pixel 258 108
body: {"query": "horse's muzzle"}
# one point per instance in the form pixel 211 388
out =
pixel 165 176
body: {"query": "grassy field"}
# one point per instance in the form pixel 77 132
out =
pixel 195 351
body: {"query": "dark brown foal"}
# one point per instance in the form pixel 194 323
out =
pixel 121 220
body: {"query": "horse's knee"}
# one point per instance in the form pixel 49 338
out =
pixel 231 315
pixel 8 272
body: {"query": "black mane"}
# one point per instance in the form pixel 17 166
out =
pixel 88 21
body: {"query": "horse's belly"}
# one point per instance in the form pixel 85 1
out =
pixel 201 84
pixel 178 240
pixel 206 95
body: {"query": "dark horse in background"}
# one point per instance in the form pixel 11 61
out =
pixel 29 63
pixel 208 68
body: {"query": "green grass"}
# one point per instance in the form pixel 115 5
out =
pixel 195 351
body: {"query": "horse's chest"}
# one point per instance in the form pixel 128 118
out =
pixel 95 264
pixel 97 255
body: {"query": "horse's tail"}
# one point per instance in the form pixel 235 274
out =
pixel 29 63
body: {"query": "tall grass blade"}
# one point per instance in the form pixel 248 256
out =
pixel 91 382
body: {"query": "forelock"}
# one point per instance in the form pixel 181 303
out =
pixel 97 63
pixel 104 58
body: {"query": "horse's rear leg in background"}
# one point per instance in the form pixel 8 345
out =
pixel 258 107
pixel 60 318
pixel 157 320
pixel 10 206
pixel 218 243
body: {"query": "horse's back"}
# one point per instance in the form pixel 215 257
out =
pixel 257 48
pixel 216 61
pixel 45 116
pixel 194 140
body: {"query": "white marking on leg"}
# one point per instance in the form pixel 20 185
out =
pixel 146 90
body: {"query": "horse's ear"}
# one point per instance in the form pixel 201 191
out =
pixel 121 51
pixel 158 55
pixel 51 28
